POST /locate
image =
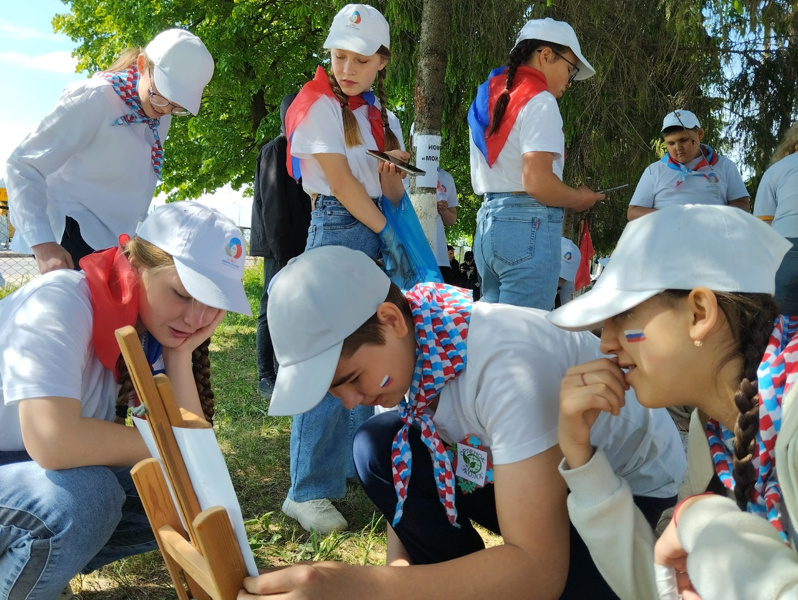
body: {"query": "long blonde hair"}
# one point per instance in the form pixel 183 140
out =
pixel 788 145
pixel 351 130
pixel 127 59
pixel 149 256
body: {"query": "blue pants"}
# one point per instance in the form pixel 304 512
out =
pixel 56 524
pixel 517 250
pixel 424 529
pixel 321 439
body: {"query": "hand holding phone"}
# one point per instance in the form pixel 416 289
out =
pixel 399 164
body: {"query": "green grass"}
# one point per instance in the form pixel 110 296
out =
pixel 255 447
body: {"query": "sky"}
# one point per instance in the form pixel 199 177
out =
pixel 35 65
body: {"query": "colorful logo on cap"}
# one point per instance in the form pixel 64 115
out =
pixel 234 249
pixel 355 18
pixel 568 256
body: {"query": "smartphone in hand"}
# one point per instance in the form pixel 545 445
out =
pixel 400 164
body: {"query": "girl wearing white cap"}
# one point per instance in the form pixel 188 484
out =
pixel 68 504
pixel 88 172
pixel 473 435
pixel 687 309
pixel 330 125
pixel 517 155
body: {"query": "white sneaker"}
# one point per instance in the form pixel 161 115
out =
pixel 320 515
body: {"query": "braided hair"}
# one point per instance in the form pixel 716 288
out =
pixel 151 257
pixel 751 318
pixel 519 56
pixel 351 130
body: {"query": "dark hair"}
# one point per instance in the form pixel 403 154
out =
pixel 751 319
pixel 519 55
pixel 469 255
pixel 449 247
pixel 351 129
pixel 370 332
pixel 677 129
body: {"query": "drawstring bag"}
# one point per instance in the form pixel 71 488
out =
pixel 406 253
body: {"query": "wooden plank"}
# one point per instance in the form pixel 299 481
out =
pixel 219 546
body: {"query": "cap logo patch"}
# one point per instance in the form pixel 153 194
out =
pixel 355 18
pixel 234 249
pixel 568 256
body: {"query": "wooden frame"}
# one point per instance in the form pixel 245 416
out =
pixel 204 559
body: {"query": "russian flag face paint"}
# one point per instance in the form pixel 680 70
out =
pixel 634 335
pixel 386 381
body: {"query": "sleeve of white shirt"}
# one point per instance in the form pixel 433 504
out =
pixel 540 125
pixel 70 126
pixel 321 131
pixel 765 204
pixel 736 188
pixel 644 192
pixel 451 192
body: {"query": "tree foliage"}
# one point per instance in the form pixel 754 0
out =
pixel 733 62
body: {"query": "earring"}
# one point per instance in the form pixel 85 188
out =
pixel 698 343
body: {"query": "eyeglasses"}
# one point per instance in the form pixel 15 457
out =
pixel 157 100
pixel 573 73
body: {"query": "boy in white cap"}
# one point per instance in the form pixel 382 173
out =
pixel 688 315
pixel 473 436
pixel 517 159
pixel 88 172
pixel 689 173
pixel 68 502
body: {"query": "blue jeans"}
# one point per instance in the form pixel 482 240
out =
pixel 517 250
pixel 787 281
pixel 56 524
pixel 267 365
pixel 321 439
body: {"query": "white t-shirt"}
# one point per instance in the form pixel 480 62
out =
pixel 658 187
pixel 46 349
pixel 446 191
pixel 777 196
pixel 538 128
pixel 77 163
pixel 508 395
pixel 322 132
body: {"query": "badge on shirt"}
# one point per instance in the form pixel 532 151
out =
pixel 472 465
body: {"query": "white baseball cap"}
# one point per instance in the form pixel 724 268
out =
pixel 182 67
pixel 208 250
pixel 569 259
pixel 316 301
pixel 721 248
pixel 558 32
pixel 680 118
pixel 359 28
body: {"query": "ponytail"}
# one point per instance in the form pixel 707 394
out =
pixel 391 142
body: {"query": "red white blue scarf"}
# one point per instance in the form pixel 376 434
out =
pixel 527 84
pixel 125 84
pixel 709 158
pixel 313 90
pixel 777 372
pixel 441 314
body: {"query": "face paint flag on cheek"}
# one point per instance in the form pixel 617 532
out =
pixel 386 381
pixel 634 335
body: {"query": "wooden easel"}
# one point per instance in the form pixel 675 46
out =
pixel 205 561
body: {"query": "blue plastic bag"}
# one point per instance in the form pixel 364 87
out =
pixel 406 253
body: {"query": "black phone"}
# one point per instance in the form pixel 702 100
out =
pixel 400 164
pixel 613 189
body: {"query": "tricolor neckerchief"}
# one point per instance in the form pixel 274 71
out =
pixel 125 84
pixel 709 158
pixel 527 84
pixel 441 314
pixel 313 90
pixel 777 372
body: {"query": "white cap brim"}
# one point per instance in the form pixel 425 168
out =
pixel 301 386
pixel 352 44
pixel 208 291
pixel 590 310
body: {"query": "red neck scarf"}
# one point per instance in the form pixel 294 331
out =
pixel 114 299
pixel 313 90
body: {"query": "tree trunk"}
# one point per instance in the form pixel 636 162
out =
pixel 430 91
